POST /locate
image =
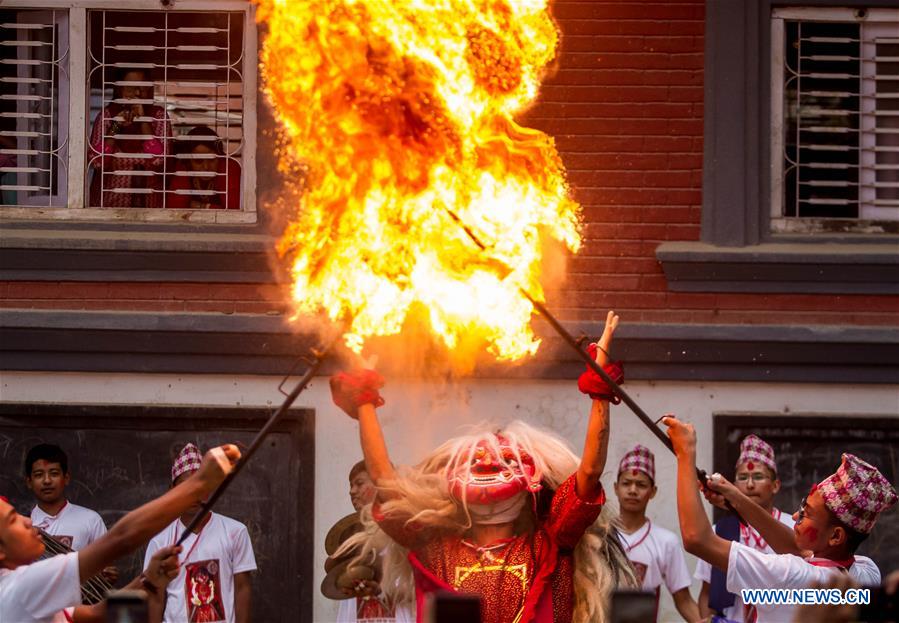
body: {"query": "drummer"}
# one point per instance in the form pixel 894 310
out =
pixel 357 588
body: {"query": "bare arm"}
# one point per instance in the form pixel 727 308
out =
pixel 243 593
pixel 704 610
pixel 374 448
pixel 780 537
pixel 684 603
pixel 596 442
pixel 696 530
pixel 138 526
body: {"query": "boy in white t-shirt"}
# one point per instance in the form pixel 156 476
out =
pixel 214 581
pixel 655 553
pixel 756 477
pixel 49 591
pixel 47 476
pixel 833 520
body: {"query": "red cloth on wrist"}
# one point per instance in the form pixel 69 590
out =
pixel 591 383
pixel 351 390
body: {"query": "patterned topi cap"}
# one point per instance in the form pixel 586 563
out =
pixel 754 450
pixel 188 460
pixel 857 493
pixel 640 459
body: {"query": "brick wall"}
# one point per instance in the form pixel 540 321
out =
pixel 625 107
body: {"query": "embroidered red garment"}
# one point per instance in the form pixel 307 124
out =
pixel 528 578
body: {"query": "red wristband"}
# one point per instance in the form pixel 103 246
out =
pixel 592 384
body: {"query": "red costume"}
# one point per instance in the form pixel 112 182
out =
pixel 528 578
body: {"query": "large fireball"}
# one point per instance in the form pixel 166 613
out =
pixel 400 112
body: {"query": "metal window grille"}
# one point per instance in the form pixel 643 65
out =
pixel 33 66
pixel 835 106
pixel 158 80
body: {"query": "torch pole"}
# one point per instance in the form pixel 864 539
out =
pixel 318 359
pixel 585 356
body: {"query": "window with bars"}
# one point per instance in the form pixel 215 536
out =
pixel 835 120
pixel 33 100
pixel 162 120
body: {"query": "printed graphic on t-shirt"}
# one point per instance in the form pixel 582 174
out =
pixel 640 570
pixel 64 539
pixel 203 592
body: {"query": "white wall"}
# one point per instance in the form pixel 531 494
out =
pixel 418 415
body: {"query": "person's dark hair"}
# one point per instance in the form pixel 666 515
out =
pixel 854 538
pixel 202 135
pixel 119 74
pixel 46 452
pixel 357 468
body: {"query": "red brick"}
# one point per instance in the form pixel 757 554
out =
pixel 604 27
pixel 685 94
pixel 685 43
pixel 648 11
pixel 653 282
pixel 57 290
pixel 576 97
pixel 641 214
pixel 673 77
pixel 669 179
pixel 581 43
pixel 686 28
pixel 628 60
pixel 669 144
pixel 592 77
pixel 639 196
pixel 599 265
pixel 685 127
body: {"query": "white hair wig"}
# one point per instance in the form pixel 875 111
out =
pixel 421 495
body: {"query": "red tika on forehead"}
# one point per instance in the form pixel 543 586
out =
pixel 750 466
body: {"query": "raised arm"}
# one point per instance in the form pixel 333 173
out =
pixel 696 531
pixel 596 442
pixel 138 526
pixel 357 394
pixel 374 448
pixel 780 537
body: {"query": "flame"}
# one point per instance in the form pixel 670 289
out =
pixel 398 112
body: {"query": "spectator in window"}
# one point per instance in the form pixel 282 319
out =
pixel 122 163
pixel 210 171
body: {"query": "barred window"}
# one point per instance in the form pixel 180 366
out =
pixel 162 117
pixel 835 114
pixel 33 128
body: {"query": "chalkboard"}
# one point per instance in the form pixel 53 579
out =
pixel 120 457
pixel 808 449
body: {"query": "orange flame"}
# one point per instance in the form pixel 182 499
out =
pixel 399 112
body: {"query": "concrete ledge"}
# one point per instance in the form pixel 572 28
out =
pixel 271 345
pixel 781 267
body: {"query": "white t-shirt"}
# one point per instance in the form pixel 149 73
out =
pixel 38 593
pixel 658 557
pixel 204 589
pixel 750 538
pixel 75 526
pixel 749 568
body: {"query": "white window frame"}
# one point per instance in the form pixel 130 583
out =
pixel 779 223
pixel 75 209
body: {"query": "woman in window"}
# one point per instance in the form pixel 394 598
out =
pixel 210 179
pixel 129 142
